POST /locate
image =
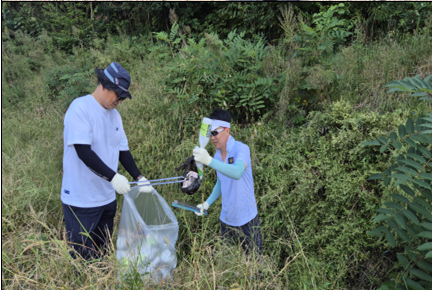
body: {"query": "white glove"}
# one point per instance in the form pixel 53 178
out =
pixel 203 207
pixel 202 156
pixel 145 189
pixel 120 184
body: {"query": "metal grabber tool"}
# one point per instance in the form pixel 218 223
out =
pixel 158 181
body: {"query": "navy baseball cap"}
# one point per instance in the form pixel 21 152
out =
pixel 115 78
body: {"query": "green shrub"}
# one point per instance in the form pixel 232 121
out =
pixel 227 73
pixel 408 214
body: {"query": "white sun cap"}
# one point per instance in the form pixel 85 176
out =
pixel 218 123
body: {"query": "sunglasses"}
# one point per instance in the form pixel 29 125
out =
pixel 215 132
pixel 120 99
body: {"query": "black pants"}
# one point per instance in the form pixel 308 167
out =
pixel 98 222
pixel 249 235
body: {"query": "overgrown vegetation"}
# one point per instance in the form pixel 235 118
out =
pixel 327 96
pixel 410 216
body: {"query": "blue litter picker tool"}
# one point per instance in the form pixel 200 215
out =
pixel 187 206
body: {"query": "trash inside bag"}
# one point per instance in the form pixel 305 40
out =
pixel 193 182
pixel 147 236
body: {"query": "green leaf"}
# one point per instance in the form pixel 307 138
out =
pixel 402 131
pixel 424 151
pixel 427 226
pixel 390 239
pixel 403 261
pixel 370 142
pixel 411 142
pixel 427 132
pixel 423 203
pixel 403 235
pixel 407 190
pixel 393 136
pixel 425 234
pixel 410 126
pixel 422 275
pixel 429 255
pixel 413 285
pixel 383 148
pixel 425 266
pixel 397 145
pixel 413 163
pixel 416 157
pixel 419 94
pixel 392 223
pixel 400 198
pixel 379 218
pixel 376 176
pixel 399 219
pixel 385 210
pixel 387 181
pixel 410 216
pixel 411 230
pixel 411 254
pixel 378 232
pixel 426 176
pixel 422 183
pixel 414 81
pixel 400 181
pixel 401 176
pixel 420 209
pixel 428 125
pixel 427 194
pixel 425 247
pixel 419 138
pixel 407 170
pixel 374 233
pixel 383 140
pixel 393 205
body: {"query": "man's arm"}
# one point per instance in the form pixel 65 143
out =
pixel 93 162
pixel 129 164
pixel 234 171
pixel 215 193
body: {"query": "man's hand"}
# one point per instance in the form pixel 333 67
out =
pixel 203 207
pixel 201 155
pixel 145 189
pixel 120 184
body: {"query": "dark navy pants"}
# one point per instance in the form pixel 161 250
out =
pixel 249 235
pixel 98 222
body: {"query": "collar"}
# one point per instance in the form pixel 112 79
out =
pixel 229 147
pixel 99 106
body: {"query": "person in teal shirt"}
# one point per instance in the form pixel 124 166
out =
pixel 232 162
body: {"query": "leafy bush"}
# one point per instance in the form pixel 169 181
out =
pixel 408 214
pixel 226 73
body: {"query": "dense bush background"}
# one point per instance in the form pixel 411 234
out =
pixel 305 90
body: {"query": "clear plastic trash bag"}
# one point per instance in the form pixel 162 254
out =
pixel 147 236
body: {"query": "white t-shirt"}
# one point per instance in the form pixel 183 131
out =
pixel 87 122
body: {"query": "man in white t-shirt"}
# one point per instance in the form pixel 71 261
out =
pixel 94 143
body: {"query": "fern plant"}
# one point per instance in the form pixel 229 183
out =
pixel 172 40
pixel 406 219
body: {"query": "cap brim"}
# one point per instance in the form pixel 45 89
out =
pixel 106 83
